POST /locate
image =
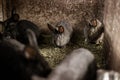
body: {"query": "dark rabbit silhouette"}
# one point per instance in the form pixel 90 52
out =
pixel 19 61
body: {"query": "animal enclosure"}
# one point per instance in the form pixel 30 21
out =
pixel 58 31
pixel 41 12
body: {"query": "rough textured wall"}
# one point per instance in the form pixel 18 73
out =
pixel 44 11
pixel 112 34
pixel 1 17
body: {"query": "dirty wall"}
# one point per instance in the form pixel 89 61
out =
pixel 1 17
pixel 1 14
pixel 52 11
pixel 112 36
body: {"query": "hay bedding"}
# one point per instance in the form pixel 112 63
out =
pixel 55 55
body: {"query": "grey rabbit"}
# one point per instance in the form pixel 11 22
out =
pixel 61 33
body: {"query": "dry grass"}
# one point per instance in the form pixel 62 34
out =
pixel 55 55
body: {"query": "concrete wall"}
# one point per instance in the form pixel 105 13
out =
pixel 1 14
pixel 45 11
pixel 1 17
pixel 112 34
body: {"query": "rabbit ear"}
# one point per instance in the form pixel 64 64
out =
pixel 51 28
pixel 15 17
pixel 13 11
pixel 32 38
pixel 26 51
pixel 15 44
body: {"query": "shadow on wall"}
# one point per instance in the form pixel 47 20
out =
pixel 43 11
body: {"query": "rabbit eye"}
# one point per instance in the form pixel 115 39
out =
pixel 93 23
pixel 61 29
